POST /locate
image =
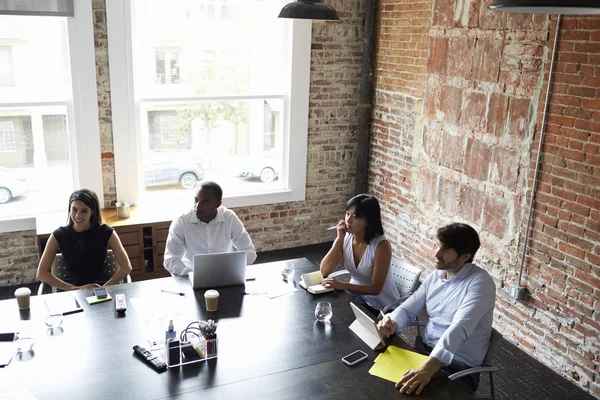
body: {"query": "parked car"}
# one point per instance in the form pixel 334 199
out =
pixel 12 185
pixel 167 167
pixel 266 167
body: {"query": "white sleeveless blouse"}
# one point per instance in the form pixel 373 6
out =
pixel 363 273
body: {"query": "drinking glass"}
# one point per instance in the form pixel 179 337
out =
pixel 323 311
pixel 54 321
pixel 287 272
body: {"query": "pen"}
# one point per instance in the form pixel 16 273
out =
pixel 172 292
pixel 248 293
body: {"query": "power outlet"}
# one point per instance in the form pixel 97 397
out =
pixel 517 292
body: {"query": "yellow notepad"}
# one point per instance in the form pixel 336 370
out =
pixel 94 299
pixel 394 362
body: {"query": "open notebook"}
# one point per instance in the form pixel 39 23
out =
pixel 312 281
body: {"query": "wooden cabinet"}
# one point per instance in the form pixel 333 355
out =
pixel 143 237
pixel 145 246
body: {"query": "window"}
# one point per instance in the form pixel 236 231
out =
pixel 235 113
pixel 167 66
pixel 7 137
pixel 6 67
pixel 47 148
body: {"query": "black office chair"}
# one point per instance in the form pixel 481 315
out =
pixel 486 366
pixel 59 270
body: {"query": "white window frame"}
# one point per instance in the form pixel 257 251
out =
pixel 83 123
pixel 127 147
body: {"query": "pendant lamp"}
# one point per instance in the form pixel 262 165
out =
pixel 563 7
pixel 309 9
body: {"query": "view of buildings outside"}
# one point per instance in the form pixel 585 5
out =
pixel 209 79
pixel 35 88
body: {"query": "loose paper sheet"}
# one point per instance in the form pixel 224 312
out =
pixel 392 363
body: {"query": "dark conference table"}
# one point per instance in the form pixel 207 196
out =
pixel 268 349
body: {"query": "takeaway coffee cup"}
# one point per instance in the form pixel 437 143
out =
pixel 211 297
pixel 23 294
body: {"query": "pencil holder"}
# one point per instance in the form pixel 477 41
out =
pixel 184 353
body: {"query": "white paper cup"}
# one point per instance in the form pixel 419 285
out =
pixel 211 298
pixel 23 295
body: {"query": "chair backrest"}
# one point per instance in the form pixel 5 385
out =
pixel 406 276
pixel 59 269
pixel 495 340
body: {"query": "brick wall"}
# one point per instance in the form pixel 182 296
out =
pixel 458 141
pixel 334 91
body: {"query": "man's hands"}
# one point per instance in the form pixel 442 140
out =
pixel 86 286
pixel 414 380
pixel 387 326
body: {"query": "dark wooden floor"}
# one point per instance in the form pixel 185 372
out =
pixel 519 376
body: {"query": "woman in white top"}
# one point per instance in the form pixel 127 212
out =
pixel 364 252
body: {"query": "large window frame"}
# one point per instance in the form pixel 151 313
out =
pixel 82 111
pixel 126 109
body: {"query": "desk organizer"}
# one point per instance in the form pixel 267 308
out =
pixel 177 353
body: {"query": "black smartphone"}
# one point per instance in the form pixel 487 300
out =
pixel 100 293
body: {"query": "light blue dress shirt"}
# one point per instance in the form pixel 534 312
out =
pixel 460 313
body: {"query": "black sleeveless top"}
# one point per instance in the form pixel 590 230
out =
pixel 84 253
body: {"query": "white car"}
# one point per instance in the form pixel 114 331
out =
pixel 266 168
pixel 12 185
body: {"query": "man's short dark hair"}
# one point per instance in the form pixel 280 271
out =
pixel 462 238
pixel 367 208
pixel 213 186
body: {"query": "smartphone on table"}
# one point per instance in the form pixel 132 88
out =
pixel 355 358
pixel 100 293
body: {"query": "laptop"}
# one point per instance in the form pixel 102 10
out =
pixel 366 328
pixel 218 269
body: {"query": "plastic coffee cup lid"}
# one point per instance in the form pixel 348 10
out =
pixel 22 291
pixel 211 294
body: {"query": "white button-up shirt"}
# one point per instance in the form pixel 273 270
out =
pixel 189 236
pixel 460 314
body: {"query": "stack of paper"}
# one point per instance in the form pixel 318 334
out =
pixel 394 362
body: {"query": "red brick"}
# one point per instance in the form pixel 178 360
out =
pixel 448 195
pixel 504 167
pixel 572 250
pixel 470 204
pixel 451 103
pixel 477 159
pixel 518 117
pixel 495 215
pixel 437 61
pixel 486 60
pixel 473 114
pixel 497 113
pixel 443 13
pixel 579 285
pixel 576 208
pixel 460 64
pixel 453 147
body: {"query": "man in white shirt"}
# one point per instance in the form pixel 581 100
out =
pixel 459 298
pixel 207 228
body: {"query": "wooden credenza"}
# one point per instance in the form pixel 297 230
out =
pixel 144 237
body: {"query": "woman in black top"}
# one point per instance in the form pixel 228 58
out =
pixel 83 244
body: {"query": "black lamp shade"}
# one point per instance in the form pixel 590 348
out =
pixel 563 7
pixel 309 9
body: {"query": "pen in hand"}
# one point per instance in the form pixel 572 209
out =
pixel 172 292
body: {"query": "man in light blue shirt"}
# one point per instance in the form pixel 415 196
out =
pixel 459 298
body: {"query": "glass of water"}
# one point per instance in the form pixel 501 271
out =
pixel 54 321
pixel 287 272
pixel 323 311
